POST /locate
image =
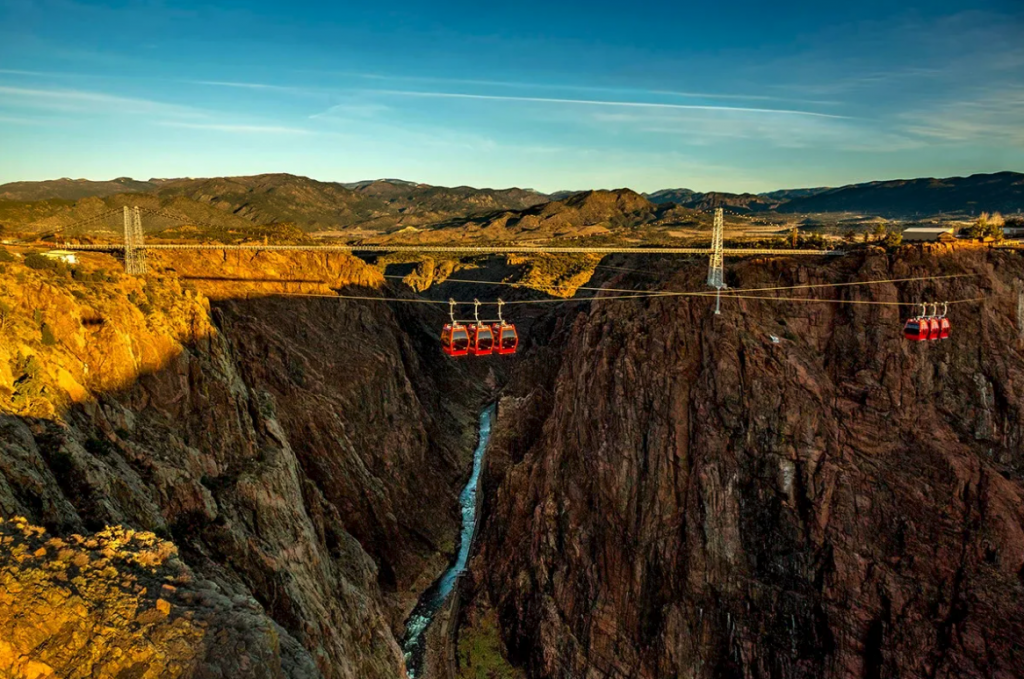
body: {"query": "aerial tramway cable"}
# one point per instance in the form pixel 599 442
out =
pixel 478 338
pixel 733 293
pixel 728 291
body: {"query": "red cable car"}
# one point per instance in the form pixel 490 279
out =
pixel 506 338
pixel 917 329
pixel 481 340
pixel 455 339
pixel 928 327
pixel 478 338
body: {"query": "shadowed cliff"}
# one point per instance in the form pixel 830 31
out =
pixel 684 496
pixel 303 455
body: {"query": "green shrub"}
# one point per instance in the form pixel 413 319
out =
pixel 37 261
pixel 6 256
pixel 47 333
pixel 6 315
pixel 28 383
pixel 141 302
pixel 98 446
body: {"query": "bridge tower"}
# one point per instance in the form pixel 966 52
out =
pixel 134 245
pixel 716 264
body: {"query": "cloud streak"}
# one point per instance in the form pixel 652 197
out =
pixel 983 116
pixel 14 120
pixel 702 128
pixel 80 100
pixel 240 129
pixel 572 87
pixel 607 103
pixel 253 86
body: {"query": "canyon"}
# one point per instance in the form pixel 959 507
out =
pixel 219 470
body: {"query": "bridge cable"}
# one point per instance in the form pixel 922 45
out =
pixel 729 291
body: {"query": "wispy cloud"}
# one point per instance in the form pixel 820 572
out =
pixel 240 129
pixel 567 87
pixel 704 128
pixel 14 71
pixel 607 103
pixel 352 110
pixel 15 120
pixel 255 86
pixel 995 117
pixel 84 101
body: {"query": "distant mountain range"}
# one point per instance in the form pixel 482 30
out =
pixel 235 202
pixel 384 205
pixel 1001 191
pixel 74 189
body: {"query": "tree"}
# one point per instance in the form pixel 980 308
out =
pixel 894 238
pixel 987 226
pixel 879 230
pixel 795 236
pixel 37 261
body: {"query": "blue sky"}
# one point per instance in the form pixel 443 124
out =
pixel 733 96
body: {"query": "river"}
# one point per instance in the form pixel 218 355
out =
pixel 414 642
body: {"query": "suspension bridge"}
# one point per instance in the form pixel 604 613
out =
pixel 134 247
pixel 134 250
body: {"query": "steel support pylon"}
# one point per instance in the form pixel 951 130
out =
pixel 716 263
pixel 134 245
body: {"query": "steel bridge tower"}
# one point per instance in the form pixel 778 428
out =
pixel 134 245
pixel 716 264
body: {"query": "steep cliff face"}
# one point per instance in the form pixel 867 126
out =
pixel 298 453
pixel 678 494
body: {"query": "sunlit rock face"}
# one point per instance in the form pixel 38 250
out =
pixel 676 494
pixel 121 603
pixel 303 455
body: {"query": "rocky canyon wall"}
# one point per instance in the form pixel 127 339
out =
pixel 785 490
pixel 292 462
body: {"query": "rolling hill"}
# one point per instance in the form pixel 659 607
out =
pixel 1002 191
pixel 262 200
pixel 74 189
pixel 295 205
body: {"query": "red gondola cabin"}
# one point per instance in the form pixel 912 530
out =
pixel 481 340
pixel 944 328
pixel 917 329
pixel 933 333
pixel 506 338
pixel 455 339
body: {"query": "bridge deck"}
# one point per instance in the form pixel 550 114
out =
pixel 463 249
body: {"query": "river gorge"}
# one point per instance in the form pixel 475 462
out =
pixel 197 462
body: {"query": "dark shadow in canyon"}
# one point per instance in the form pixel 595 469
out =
pixel 310 452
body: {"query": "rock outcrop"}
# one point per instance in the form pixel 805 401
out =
pixel 121 604
pixel 785 490
pixel 303 454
